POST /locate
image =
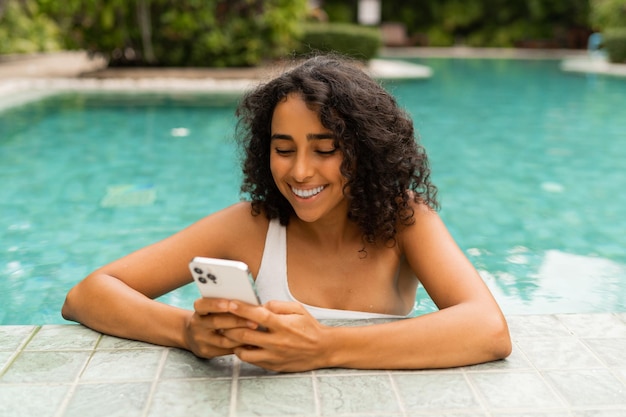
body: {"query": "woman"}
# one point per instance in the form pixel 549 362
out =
pixel 340 223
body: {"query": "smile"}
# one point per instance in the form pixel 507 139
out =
pixel 307 193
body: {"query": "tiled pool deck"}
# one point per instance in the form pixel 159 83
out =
pixel 561 365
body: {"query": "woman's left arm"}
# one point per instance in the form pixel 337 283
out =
pixel 468 328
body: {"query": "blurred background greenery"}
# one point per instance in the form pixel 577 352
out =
pixel 229 33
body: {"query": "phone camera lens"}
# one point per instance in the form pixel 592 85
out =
pixel 197 270
pixel 212 278
pixel 202 280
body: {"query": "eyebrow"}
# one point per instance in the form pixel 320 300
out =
pixel 310 136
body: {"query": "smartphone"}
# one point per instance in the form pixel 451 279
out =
pixel 221 278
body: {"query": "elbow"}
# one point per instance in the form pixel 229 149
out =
pixel 498 341
pixel 69 305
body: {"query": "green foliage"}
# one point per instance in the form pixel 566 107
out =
pixel 607 14
pixel 340 11
pixel 484 22
pixel 356 41
pixel 212 33
pixel 24 29
pixel 615 44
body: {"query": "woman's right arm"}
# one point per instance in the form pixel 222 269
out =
pixel 118 299
pixel 109 305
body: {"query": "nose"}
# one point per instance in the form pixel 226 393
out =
pixel 302 168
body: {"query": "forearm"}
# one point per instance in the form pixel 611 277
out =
pixel 107 305
pixel 456 336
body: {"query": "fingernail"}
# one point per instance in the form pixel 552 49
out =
pixel 232 306
pixel 222 305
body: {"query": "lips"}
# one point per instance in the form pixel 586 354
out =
pixel 308 193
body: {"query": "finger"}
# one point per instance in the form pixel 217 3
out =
pixel 223 321
pixel 251 354
pixel 255 314
pixel 204 306
pixel 248 337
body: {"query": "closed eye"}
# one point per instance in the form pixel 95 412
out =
pixel 326 152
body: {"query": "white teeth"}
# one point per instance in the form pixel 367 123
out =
pixel 307 193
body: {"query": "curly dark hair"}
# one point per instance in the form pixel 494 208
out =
pixel 382 158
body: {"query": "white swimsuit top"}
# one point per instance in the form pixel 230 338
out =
pixel 271 281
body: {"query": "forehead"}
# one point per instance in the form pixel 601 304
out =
pixel 293 112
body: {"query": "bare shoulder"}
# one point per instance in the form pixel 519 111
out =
pixel 423 214
pixel 427 231
pixel 233 230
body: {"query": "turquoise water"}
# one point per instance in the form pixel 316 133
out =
pixel 529 162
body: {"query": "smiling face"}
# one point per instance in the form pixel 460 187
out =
pixel 305 161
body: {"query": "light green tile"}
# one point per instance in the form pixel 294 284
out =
pixel 202 397
pixel 111 342
pixel 109 400
pixel 588 388
pixel 356 394
pixel 276 396
pixel 514 390
pixel 594 325
pixel 558 353
pixel 446 413
pixel 249 370
pixel 46 367
pixel 621 412
pixel 536 326
pixel 122 365
pixel 31 400
pixel 349 372
pixel 611 351
pixel 184 364
pixel 515 361
pixel 552 413
pixel 12 337
pixel 434 391
pixel 4 359
pixel 63 337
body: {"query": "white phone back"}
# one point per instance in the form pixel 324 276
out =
pixel 221 278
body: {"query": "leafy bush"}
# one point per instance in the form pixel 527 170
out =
pixel 615 44
pixel 212 33
pixel 483 22
pixel 607 14
pixel 356 41
pixel 24 29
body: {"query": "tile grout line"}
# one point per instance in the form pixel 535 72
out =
pixel 564 403
pixel 478 395
pixel 19 349
pixel 72 389
pixel 155 381
pixel 613 370
pixel 316 394
pixel 234 386
pixel 396 393
pixel 581 338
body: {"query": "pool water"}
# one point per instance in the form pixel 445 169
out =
pixel 528 160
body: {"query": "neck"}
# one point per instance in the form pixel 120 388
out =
pixel 329 233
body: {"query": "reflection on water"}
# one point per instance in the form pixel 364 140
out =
pixel 554 282
pixel 562 282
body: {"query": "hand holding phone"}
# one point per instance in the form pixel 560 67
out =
pixel 221 278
